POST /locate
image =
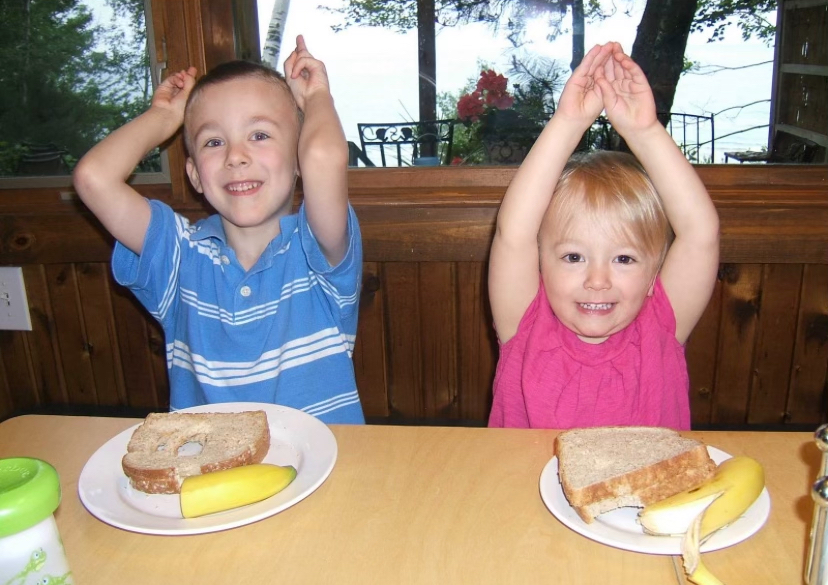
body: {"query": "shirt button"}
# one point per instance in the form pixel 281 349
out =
pixel 225 260
pixel 245 291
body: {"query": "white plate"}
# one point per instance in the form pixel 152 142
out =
pixel 620 529
pixel 296 438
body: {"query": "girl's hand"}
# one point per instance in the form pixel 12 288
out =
pixel 172 94
pixel 304 74
pixel 628 98
pixel 582 97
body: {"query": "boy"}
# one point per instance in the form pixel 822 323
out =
pixel 257 304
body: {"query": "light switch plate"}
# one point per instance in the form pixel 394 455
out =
pixel 14 306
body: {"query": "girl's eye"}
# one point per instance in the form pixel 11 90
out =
pixel 260 136
pixel 625 259
pixel 573 257
pixel 213 142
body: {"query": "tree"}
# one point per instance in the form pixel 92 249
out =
pixel 67 81
pixel 660 41
pixel 275 33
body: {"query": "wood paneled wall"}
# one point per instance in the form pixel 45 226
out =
pixel 426 351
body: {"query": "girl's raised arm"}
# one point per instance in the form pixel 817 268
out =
pixel 514 273
pixel 689 270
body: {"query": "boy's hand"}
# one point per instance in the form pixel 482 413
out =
pixel 172 94
pixel 582 97
pixel 628 98
pixel 304 74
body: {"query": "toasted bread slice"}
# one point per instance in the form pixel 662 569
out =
pixel 605 468
pixel 154 465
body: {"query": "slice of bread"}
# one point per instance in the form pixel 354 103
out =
pixel 605 468
pixel 154 464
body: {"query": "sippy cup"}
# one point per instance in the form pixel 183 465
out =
pixel 30 547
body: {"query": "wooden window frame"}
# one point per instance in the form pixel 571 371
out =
pixel 202 33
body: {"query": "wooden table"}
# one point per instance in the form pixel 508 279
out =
pixel 414 505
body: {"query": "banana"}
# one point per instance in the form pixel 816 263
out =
pixel 699 512
pixel 222 490
pixel 735 485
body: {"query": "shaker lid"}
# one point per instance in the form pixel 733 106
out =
pixel 29 492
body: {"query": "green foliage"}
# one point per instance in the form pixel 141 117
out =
pixel 715 16
pixel 68 81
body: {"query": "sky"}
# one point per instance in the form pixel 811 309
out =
pixel 373 72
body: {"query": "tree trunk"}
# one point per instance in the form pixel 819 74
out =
pixel 659 47
pixel 275 33
pixel 577 33
pixel 427 63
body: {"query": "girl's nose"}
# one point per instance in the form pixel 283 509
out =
pixel 597 278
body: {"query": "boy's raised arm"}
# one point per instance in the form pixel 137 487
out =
pixel 323 153
pixel 690 268
pixel 100 176
pixel 514 259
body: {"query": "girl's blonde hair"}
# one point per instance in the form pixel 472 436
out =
pixel 612 191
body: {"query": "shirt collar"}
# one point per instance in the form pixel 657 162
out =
pixel 211 227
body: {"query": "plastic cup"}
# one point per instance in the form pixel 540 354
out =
pixel 30 547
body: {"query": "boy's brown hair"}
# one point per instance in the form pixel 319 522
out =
pixel 230 71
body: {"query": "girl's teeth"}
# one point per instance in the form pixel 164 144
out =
pixel 596 306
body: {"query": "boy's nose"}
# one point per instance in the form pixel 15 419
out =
pixel 237 156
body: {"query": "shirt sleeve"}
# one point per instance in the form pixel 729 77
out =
pixel 343 279
pixel 153 275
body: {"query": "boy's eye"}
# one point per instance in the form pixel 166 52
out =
pixel 623 259
pixel 572 257
pixel 213 142
pixel 260 136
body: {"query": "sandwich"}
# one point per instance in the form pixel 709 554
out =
pixel 605 468
pixel 169 447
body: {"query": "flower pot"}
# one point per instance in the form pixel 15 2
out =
pixel 504 151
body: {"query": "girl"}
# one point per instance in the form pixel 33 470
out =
pixel 597 338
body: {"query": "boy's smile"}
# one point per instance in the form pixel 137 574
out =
pixel 595 283
pixel 244 142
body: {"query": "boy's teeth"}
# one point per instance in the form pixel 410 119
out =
pixel 243 186
pixel 596 306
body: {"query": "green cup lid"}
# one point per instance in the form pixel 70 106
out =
pixel 29 492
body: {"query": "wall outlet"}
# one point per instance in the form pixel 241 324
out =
pixel 14 306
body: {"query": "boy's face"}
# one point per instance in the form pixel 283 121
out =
pixel 595 283
pixel 244 135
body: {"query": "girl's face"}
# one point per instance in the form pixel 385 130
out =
pixel 595 281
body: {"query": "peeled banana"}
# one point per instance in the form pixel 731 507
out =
pixel 699 512
pixel 222 490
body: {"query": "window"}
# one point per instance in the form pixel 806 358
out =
pixel 721 107
pixel 72 72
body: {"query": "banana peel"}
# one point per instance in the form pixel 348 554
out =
pixel 699 512
pixel 231 488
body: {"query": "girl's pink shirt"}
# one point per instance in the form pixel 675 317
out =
pixel 548 378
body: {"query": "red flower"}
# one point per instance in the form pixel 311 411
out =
pixel 470 107
pixel 489 94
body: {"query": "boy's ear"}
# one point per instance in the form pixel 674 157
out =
pixel 192 172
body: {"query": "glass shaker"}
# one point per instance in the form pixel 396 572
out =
pixel 30 547
pixel 816 570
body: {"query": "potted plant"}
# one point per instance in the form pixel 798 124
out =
pixel 505 124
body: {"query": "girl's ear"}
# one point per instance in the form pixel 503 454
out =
pixel 192 172
pixel 652 285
